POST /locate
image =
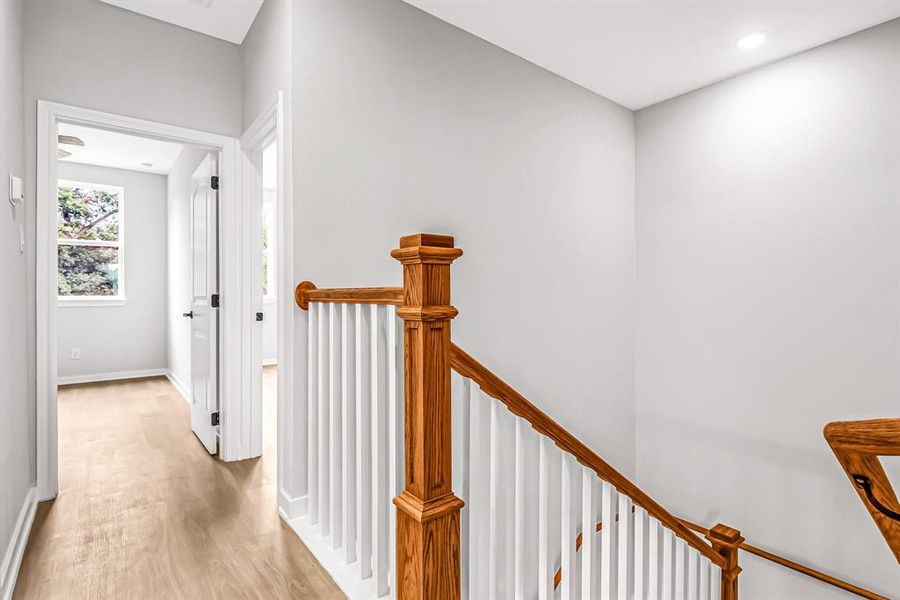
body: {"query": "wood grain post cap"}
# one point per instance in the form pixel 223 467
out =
pixel 435 240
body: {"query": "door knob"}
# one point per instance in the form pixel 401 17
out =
pixel 189 315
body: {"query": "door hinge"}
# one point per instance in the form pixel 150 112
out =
pixel 214 301
pixel 259 316
pixel 214 419
pixel 214 182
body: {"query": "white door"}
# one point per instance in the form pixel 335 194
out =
pixel 204 304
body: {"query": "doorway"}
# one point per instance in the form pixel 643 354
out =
pixel 95 269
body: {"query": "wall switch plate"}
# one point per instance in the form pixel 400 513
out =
pixel 75 354
pixel 16 190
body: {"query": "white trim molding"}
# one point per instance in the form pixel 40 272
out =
pixel 115 376
pixel 15 550
pixel 49 114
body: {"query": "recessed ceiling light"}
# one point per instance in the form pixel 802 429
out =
pixel 147 165
pixel 752 40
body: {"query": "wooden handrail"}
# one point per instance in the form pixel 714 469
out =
pixel 803 569
pixel 307 292
pixel 857 446
pixel 491 384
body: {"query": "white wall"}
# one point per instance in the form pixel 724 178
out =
pixel 767 259
pixel 17 433
pixel 132 337
pixel 178 213
pixel 404 124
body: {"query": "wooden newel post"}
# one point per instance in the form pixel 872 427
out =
pixel 727 542
pixel 427 511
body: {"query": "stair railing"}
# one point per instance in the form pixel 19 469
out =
pixel 858 445
pixel 362 436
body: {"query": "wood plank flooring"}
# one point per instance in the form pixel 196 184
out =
pixel 144 511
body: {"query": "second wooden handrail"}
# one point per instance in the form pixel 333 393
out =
pixel 803 569
pixel 491 384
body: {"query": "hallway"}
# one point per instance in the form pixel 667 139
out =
pixel 144 512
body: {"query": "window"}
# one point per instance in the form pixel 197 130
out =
pixel 89 242
pixel 268 244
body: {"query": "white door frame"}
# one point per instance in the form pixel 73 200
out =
pixel 49 114
pixel 272 125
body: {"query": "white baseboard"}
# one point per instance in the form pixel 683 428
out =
pixel 345 576
pixel 179 385
pixel 291 508
pixel 109 376
pixel 15 550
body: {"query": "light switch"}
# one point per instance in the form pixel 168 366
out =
pixel 16 190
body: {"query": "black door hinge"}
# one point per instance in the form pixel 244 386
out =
pixel 259 316
pixel 214 419
pixel 214 182
pixel 214 301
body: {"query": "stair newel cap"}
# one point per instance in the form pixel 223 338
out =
pixel 725 535
pixel 430 248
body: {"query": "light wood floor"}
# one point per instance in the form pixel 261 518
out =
pixel 144 512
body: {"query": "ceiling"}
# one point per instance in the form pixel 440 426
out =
pixel 638 53
pixel 121 151
pixel 228 20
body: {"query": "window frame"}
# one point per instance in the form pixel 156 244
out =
pixel 93 301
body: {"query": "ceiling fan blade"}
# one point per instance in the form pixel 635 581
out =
pixel 70 140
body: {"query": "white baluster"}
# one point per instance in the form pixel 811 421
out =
pixel 459 413
pixel 348 433
pixel 324 412
pixel 545 562
pixel 312 423
pixel 654 552
pixel 608 542
pixel 624 575
pixel 715 582
pixel 704 579
pixel 501 464
pixel 680 568
pixel 567 586
pixel 588 530
pixel 380 499
pixel 479 492
pixel 364 444
pixel 640 553
pixel 668 563
pixel 335 423
pixel 395 437
pixel 693 582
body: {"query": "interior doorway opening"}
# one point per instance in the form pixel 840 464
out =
pixel 106 266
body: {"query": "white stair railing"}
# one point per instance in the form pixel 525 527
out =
pixel 354 442
pixel 538 524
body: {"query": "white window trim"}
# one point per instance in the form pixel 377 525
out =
pixel 97 301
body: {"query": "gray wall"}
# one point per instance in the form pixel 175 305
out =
pixel 266 59
pixel 178 214
pixel 132 337
pixel 17 453
pixel 128 64
pixel 767 262
pixel 404 124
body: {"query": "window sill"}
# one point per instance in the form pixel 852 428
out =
pixel 90 302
